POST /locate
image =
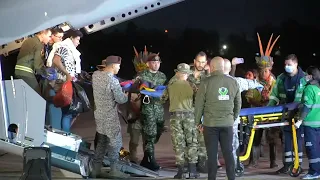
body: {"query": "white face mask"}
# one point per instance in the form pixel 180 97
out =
pixel 289 69
pixel 308 78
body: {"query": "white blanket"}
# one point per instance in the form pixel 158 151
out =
pixel 70 46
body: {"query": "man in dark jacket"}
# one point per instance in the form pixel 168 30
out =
pixel 219 101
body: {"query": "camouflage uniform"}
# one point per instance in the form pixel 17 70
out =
pixel 182 122
pixel 202 152
pixel 107 93
pixel 152 118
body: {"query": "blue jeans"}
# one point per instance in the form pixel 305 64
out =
pixel 53 115
pixel 66 119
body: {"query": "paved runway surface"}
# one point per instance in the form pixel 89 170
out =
pixel 11 166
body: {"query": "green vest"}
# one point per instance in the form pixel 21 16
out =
pixel 311 99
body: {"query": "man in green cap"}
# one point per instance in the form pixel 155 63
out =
pixel 152 113
pixel 182 122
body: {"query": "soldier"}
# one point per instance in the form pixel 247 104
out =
pixel 289 88
pixel 30 59
pixel 199 73
pixel 183 136
pixel 107 94
pixel 152 113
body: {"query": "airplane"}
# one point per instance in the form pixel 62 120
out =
pixel 22 19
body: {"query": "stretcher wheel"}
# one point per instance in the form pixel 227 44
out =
pixel 239 170
pixel 294 172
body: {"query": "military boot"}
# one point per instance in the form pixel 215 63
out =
pixel 193 171
pixel 180 173
pixel 154 166
pixel 116 173
pixel 273 155
pixel 145 161
pixel 202 165
pixel 186 166
pixel 149 162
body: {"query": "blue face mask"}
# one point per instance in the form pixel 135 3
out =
pixel 289 69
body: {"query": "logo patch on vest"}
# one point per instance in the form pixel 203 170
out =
pixel 223 94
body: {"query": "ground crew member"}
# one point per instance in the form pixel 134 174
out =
pixel 152 113
pixel 289 88
pixel 107 94
pixel 30 59
pixel 218 100
pixel 182 123
pixel 311 123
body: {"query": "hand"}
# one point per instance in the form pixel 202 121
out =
pixel 298 124
pixel 235 61
pixel 200 127
pixel 69 78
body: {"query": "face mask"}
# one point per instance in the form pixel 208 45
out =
pixel 308 78
pixel 289 69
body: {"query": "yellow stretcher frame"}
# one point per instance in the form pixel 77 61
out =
pixel 273 120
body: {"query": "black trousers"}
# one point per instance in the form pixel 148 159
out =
pixel 212 136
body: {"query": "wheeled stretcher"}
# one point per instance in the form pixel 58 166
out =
pixel 266 117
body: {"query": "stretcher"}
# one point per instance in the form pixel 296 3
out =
pixel 266 117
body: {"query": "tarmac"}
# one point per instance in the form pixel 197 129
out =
pixel 11 165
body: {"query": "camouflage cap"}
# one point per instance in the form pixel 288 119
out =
pixel 154 57
pixel 184 68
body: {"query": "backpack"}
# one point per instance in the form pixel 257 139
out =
pixel 36 163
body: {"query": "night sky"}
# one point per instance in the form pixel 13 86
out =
pixel 228 16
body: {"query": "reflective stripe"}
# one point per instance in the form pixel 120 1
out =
pixel 274 98
pixel 312 106
pixel 312 161
pixel 291 160
pixel 282 95
pixel 311 123
pixel 290 153
pixel 299 95
pixel 308 105
pixel 23 68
